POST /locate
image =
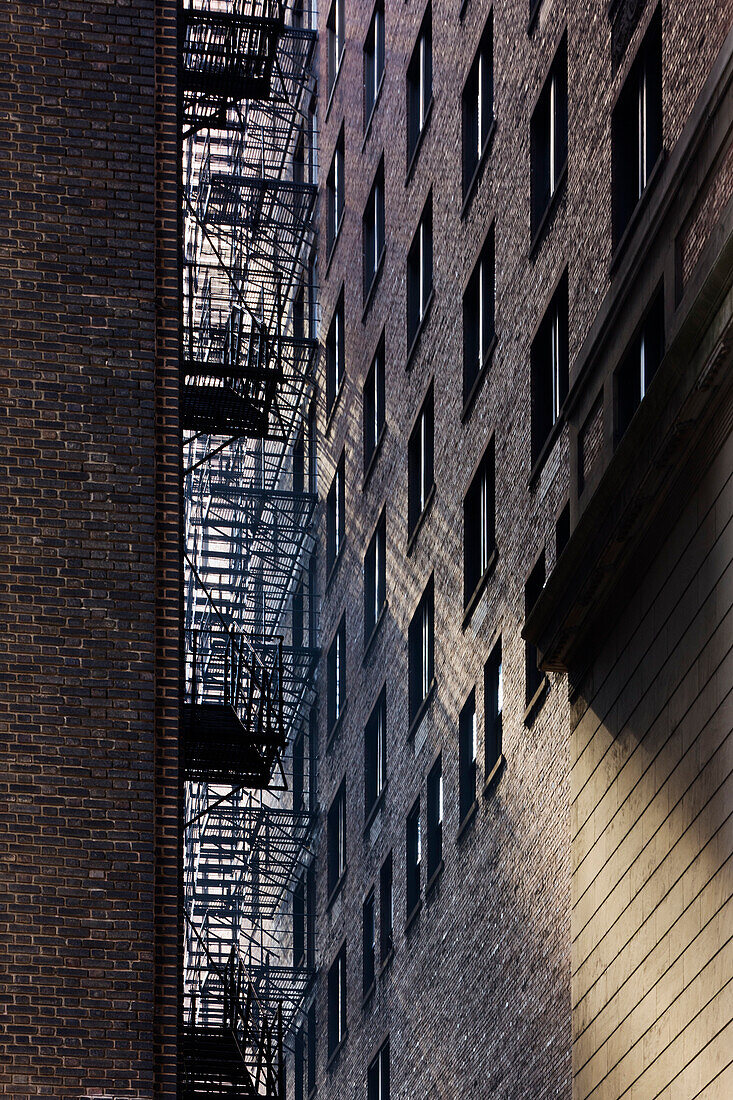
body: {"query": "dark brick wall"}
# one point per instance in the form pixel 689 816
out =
pixel 89 560
pixel 477 1000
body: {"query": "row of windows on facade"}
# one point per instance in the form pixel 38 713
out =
pixel 304 1061
pixel 636 144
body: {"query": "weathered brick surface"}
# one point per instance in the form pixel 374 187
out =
pixel 477 1000
pixel 89 559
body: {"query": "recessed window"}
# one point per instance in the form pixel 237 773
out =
pixel 335 354
pixel 375 753
pixel 374 580
pixel 299 1065
pixel 368 927
pixel 549 136
pixel 335 521
pixel 467 750
pixel 435 817
pixel 478 525
pixel 335 40
pixel 478 316
pixel 550 368
pixel 421 657
pixel 420 463
pixel 374 404
pixel 562 530
pixel 493 705
pixel 532 590
pixel 310 917
pixel 419 84
pixel 336 676
pixel 336 839
pixel 311 1067
pixel 639 365
pixel 386 910
pixel 335 194
pixel 378 1075
pixel 299 922
pixel 414 857
pixel 373 231
pixel 420 272
pixel 373 60
pixel 636 128
pixel 478 105
pixel 337 1001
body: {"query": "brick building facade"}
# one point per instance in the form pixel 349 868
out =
pixel 90 533
pixel 592 182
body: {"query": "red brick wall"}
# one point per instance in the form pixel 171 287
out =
pixel 89 560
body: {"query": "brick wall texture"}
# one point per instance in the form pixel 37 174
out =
pixel 89 558
pixel 477 999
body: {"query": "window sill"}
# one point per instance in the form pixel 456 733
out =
pixel 478 590
pixel 413 915
pixel 334 568
pixel 373 285
pixel 419 521
pixel 637 213
pixel 384 965
pixel 433 880
pixel 478 171
pixel 336 890
pixel 535 703
pixel 547 216
pixel 468 820
pixel 373 457
pixel 375 808
pixel 418 331
pixel 375 630
pixel 368 123
pixel 412 160
pixel 546 447
pixel 420 714
pixel 335 729
pixel 332 89
pixel 478 380
pixel 493 777
pixel 333 1056
pixel 367 995
pixel 332 411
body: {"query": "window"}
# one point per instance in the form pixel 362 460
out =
pixel 310 917
pixel 311 1071
pixel 467 750
pixel 639 365
pixel 335 40
pixel 298 773
pixel 478 317
pixel 478 525
pixel 299 1059
pixel 368 944
pixel 335 355
pixel 337 1001
pixel 335 522
pixel 420 463
pixel 550 368
pixel 478 105
pixel 419 84
pixel 336 839
pixel 336 669
pixel 378 1076
pixel 386 910
pixel 335 194
pixel 374 582
pixel 493 703
pixel 414 856
pixel 373 231
pixel 435 817
pixel 420 272
pixel 532 589
pixel 374 404
pixel 373 60
pixel 375 756
pixel 562 530
pixel 636 128
pixel 299 923
pixel 420 643
pixel 549 137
